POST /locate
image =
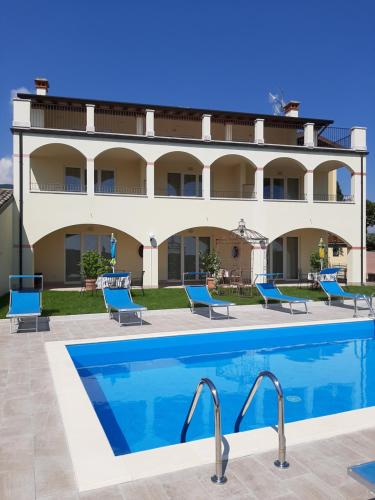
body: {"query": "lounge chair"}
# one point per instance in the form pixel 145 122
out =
pixel 24 302
pixel 120 300
pixel 269 291
pixel 333 289
pixel 199 294
pixel 364 474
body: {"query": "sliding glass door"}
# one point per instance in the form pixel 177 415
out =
pixel 283 257
pixel 72 258
pixel 184 256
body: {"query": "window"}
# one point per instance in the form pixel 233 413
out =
pixel 184 184
pixel 73 180
pixel 104 181
pixel 280 188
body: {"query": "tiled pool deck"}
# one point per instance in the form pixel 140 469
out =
pixel 35 461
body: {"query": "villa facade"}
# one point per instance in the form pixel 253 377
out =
pixel 173 182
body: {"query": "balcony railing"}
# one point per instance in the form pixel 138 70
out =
pixel 232 130
pixel 188 127
pixel 58 116
pixel 335 137
pixel 291 134
pixel 124 190
pixel 118 121
pixel 285 197
pixel 165 192
pixel 250 195
pixel 58 187
pixel 343 198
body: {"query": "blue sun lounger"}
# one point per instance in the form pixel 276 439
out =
pixel 199 294
pixel 333 289
pixel 120 300
pixel 24 302
pixel 364 474
pixel 269 291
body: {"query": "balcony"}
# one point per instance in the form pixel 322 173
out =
pixel 43 112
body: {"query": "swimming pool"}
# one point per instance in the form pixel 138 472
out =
pixel 141 389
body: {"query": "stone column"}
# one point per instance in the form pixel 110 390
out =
pixel 228 131
pixel 354 265
pixel 308 139
pixel 206 182
pixel 90 176
pixel 358 138
pixel 259 131
pixel 206 127
pixel 90 117
pixel 150 127
pixel 259 183
pixel 309 185
pixel 21 112
pixel 150 179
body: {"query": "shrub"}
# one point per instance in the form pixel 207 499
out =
pixel 211 263
pixel 93 264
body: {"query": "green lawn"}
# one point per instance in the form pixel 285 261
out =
pixel 65 303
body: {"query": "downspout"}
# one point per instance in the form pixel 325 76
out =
pixel 362 215
pixel 20 227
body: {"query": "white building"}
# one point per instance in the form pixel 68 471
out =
pixel 170 182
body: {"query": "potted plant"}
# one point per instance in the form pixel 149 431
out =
pixel 211 264
pixel 93 265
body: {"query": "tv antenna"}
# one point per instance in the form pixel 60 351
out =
pixel 277 101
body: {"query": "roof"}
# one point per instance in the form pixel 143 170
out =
pixel 6 198
pixel 174 110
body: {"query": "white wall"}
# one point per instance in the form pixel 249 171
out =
pixel 6 248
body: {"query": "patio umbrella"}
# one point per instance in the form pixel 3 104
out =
pixel 113 251
pixel 321 247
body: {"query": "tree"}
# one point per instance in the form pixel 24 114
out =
pixel 370 213
pixel 370 242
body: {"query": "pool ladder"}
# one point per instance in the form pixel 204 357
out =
pixel 219 476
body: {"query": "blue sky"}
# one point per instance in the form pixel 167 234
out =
pixel 219 54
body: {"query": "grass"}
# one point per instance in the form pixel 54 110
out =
pixel 66 303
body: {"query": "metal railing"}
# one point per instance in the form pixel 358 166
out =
pixel 125 190
pixel 240 130
pixel 58 116
pixel 165 192
pixel 334 137
pixel 167 125
pixel 58 187
pixel 218 477
pixel 233 194
pixel 281 460
pixel 343 198
pixel 289 134
pixel 118 121
pixel 285 196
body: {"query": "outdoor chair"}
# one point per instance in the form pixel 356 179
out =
pixel 269 291
pixel 24 302
pixel 138 282
pixel 199 294
pixel 120 300
pixel 333 289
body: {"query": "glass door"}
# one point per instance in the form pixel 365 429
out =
pixel 174 184
pixel 174 258
pixel 278 189
pixel 190 256
pixel 277 256
pixel 72 258
pixel 73 181
pixel 292 257
pixel 293 188
pixel 203 247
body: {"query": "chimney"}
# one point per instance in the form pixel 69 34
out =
pixel 291 108
pixel 41 86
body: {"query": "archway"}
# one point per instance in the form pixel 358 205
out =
pixel 333 181
pixel 232 176
pixel 57 255
pixel 284 180
pixel 178 174
pixel 120 171
pixel 57 167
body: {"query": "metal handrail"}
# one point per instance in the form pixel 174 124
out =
pixel 218 477
pixel 281 461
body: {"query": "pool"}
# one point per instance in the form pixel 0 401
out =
pixel 141 389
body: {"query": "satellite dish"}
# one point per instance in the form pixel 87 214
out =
pixel 277 101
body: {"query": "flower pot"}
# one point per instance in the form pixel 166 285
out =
pixel 90 284
pixel 210 282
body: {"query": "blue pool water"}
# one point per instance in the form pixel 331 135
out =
pixel 141 389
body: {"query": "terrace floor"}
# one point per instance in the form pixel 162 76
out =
pixel 34 457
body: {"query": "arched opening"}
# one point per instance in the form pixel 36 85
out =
pixel 57 255
pixel 333 181
pixel 178 174
pixel 120 171
pixel 232 176
pixel 181 253
pixel 284 180
pixel 58 167
pixel 290 254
